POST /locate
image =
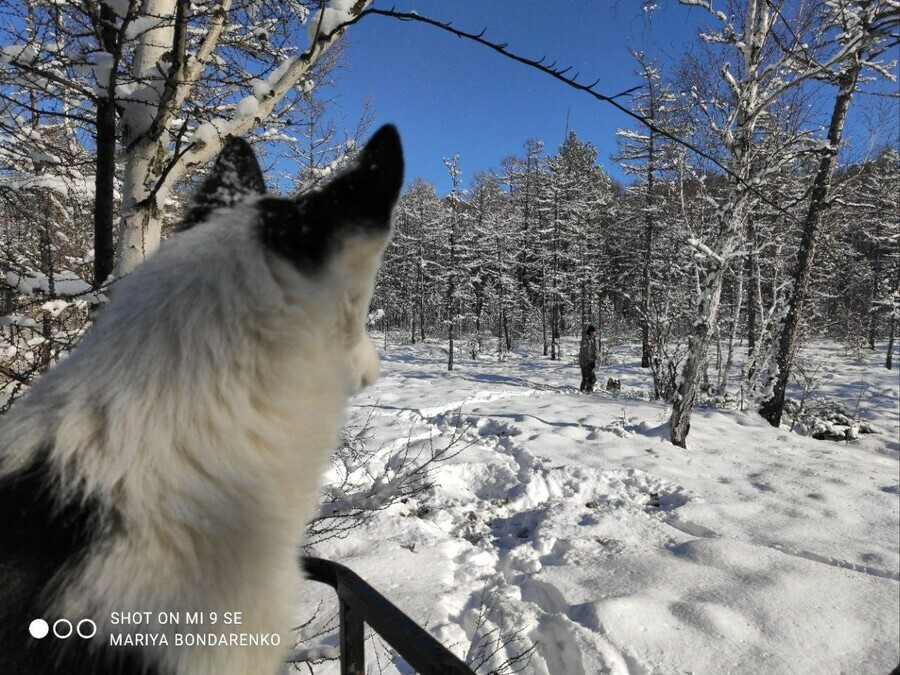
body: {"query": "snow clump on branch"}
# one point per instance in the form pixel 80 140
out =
pixel 336 13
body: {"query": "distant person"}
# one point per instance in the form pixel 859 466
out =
pixel 587 359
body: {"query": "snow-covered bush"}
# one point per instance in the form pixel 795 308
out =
pixel 366 478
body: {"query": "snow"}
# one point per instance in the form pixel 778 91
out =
pixel 65 284
pixel 103 64
pixel 261 88
pixel 43 158
pixel 56 307
pixel 324 23
pixel 206 134
pixel 247 107
pixel 19 53
pixel 571 518
pixel 138 102
pixel 143 24
pixel 209 133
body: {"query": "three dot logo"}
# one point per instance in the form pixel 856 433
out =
pixel 62 629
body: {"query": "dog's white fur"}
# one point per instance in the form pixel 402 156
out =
pixel 204 404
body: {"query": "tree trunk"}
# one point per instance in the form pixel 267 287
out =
pixel 451 290
pixel 889 359
pixel 500 321
pixel 737 301
pixel 502 318
pixel 104 184
pixel 894 319
pixel 733 219
pixel 554 287
pixel 450 340
pixel 421 289
pixel 104 181
pixel 707 311
pixel 506 331
pixel 773 407
pixel 476 339
pixel 754 297
pixel 695 363
pixel 147 154
pixel 451 303
pixel 544 306
pixel 876 278
pixel 142 201
pixel 646 352
pixel 584 312
pixel 48 263
pixel 554 332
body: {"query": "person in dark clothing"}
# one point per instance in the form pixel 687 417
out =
pixel 587 359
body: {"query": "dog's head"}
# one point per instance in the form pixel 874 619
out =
pixel 324 246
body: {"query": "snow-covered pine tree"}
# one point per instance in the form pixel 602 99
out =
pixel 45 243
pixel 570 207
pixel 556 241
pixel 452 277
pixel 485 243
pixel 413 261
pixel 880 203
pixel 522 178
pixel 645 153
pixel 857 259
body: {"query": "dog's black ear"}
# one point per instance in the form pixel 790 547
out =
pixel 371 189
pixel 358 201
pixel 368 191
pixel 234 176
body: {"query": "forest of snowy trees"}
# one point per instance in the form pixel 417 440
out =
pixel 548 244
pixel 738 226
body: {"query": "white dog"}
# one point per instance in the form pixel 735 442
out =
pixel 170 464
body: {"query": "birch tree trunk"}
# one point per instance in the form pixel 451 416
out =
pixel 147 153
pixel 737 301
pixel 749 98
pixel 153 163
pixel 732 216
pixel 714 270
pixel 754 297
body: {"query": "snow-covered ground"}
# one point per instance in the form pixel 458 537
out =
pixel 571 525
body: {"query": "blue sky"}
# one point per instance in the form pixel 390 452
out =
pixel 448 95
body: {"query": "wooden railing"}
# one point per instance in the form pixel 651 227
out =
pixel 360 604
